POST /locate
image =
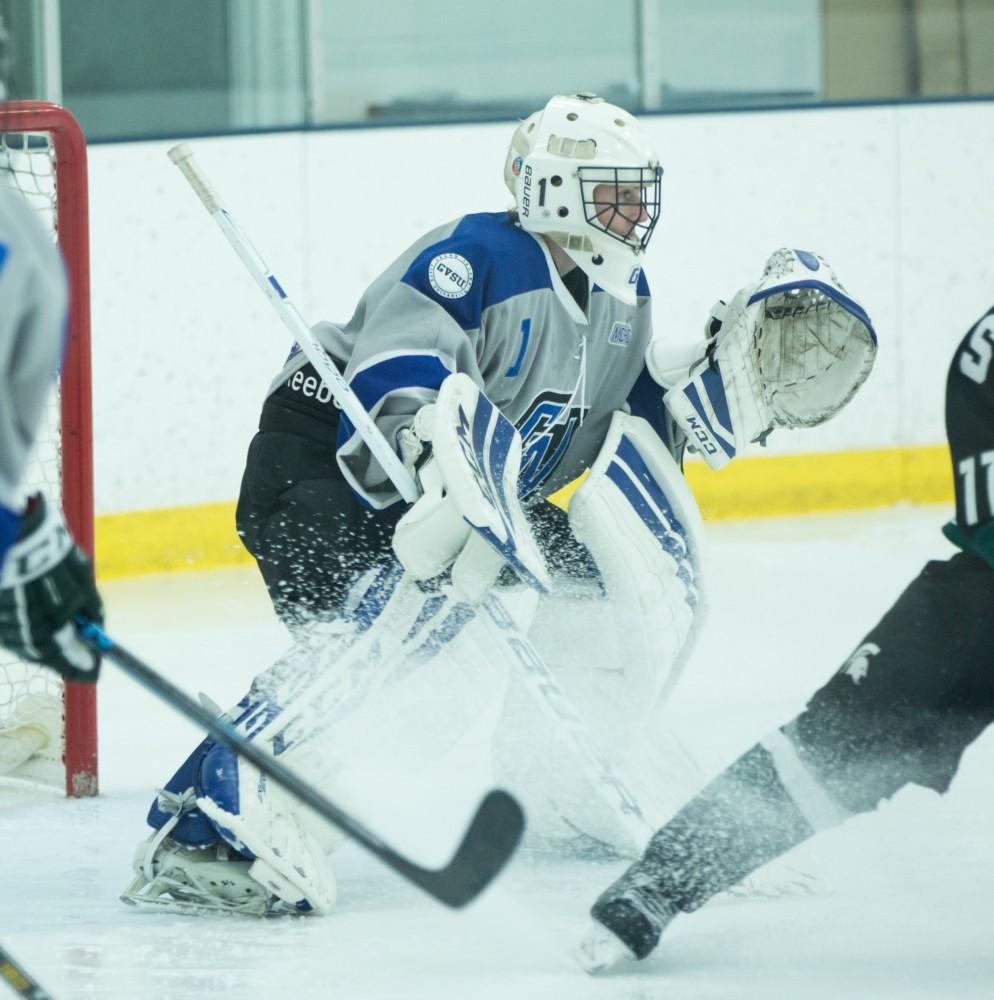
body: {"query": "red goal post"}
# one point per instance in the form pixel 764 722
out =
pixel 51 136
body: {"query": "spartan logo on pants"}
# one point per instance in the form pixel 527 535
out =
pixel 858 665
pixel 546 430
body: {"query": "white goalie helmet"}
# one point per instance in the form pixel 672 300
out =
pixel 584 174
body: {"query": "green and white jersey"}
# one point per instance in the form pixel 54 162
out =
pixel 482 296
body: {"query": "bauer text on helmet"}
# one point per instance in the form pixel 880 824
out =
pixel 584 175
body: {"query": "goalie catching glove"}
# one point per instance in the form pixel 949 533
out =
pixel 469 516
pixel 47 581
pixel 788 351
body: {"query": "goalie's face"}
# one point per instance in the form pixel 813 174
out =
pixel 619 209
pixel 625 205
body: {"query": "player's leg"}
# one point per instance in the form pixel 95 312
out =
pixel 565 555
pixel 312 540
pixel 902 709
pixel 338 713
pixel 309 534
pixel 224 838
pixel 615 659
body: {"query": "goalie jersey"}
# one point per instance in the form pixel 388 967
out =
pixel 483 297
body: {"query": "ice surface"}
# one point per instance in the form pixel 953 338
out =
pixel 905 896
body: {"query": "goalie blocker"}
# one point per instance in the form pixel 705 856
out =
pixel 312 537
pixel 788 351
pixel 467 455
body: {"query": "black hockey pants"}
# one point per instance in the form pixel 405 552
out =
pixel 308 531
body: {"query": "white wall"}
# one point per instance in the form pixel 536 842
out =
pixel 897 198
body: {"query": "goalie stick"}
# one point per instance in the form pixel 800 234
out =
pixel 14 975
pixel 489 842
pixel 182 156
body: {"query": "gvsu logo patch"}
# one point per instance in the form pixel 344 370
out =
pixel 451 275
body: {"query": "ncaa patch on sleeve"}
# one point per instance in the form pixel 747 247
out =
pixel 621 334
pixel 451 275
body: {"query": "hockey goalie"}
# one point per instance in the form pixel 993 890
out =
pixel 482 628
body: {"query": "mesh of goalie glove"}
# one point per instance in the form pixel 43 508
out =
pixel 787 351
pixel 815 346
pixel 46 582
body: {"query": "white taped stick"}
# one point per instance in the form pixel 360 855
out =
pixel 182 157
pixel 549 697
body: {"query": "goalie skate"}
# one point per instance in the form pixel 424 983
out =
pixel 219 877
pixel 198 880
pixel 290 861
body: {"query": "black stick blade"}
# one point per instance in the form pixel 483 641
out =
pixel 491 839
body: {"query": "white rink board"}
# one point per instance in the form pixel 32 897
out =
pixel 897 198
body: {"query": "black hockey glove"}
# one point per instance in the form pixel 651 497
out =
pixel 46 581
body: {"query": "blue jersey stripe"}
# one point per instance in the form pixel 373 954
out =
pixel 850 305
pixel 422 371
pixel 526 330
pixel 646 401
pixel 617 474
pixel 484 241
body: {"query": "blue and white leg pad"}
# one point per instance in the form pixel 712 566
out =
pixel 262 821
pixel 637 516
pixel 216 797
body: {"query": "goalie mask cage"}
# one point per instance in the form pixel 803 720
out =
pixel 43 155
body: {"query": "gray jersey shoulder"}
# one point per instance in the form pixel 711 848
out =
pixel 32 333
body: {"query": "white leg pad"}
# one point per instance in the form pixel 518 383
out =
pixel 637 516
pixel 265 821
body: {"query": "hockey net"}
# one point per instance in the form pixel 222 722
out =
pixel 48 730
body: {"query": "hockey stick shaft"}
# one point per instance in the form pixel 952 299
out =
pixel 14 975
pixel 272 288
pixel 540 682
pixel 489 842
